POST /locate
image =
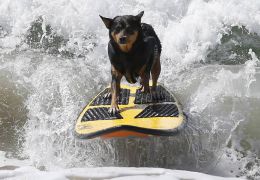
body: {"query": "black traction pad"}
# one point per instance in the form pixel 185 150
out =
pixel 101 100
pixel 99 114
pixel 159 110
pixel 160 95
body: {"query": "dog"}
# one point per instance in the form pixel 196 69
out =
pixel 134 51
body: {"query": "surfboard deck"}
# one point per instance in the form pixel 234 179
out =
pixel 141 114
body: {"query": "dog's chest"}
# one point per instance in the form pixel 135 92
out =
pixel 130 62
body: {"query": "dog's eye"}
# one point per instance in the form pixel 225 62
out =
pixel 118 28
pixel 129 30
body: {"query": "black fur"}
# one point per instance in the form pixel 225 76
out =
pixel 142 52
pixel 134 50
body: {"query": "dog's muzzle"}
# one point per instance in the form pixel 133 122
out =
pixel 123 40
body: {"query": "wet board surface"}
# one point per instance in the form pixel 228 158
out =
pixel 141 114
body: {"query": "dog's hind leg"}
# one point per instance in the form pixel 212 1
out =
pixel 144 79
pixel 145 82
pixel 155 71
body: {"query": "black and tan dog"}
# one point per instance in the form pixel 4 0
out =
pixel 134 50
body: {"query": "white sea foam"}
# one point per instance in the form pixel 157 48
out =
pixel 226 83
pixel 30 173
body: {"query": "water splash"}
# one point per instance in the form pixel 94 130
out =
pixel 215 97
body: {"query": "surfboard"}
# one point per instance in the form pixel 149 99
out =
pixel 141 114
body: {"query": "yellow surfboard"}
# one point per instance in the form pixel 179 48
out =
pixel 141 114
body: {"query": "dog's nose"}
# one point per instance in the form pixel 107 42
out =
pixel 122 40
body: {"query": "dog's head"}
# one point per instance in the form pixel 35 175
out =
pixel 124 30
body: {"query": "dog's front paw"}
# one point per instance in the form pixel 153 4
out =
pixel 114 110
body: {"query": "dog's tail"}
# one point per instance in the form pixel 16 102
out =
pixel 130 77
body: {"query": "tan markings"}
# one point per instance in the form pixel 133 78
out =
pixel 115 37
pixel 129 42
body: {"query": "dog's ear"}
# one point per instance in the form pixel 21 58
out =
pixel 139 16
pixel 107 21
